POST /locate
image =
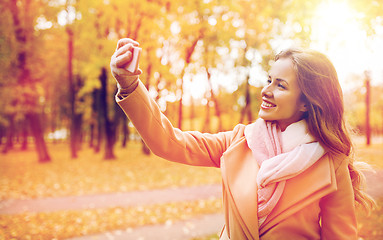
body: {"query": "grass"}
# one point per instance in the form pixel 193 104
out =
pixel 21 177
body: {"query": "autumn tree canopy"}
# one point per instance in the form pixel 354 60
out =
pixel 204 61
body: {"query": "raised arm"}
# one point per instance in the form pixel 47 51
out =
pixel 193 148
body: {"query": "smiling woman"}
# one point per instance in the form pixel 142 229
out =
pixel 290 173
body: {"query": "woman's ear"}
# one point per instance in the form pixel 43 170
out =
pixel 304 103
pixel 303 107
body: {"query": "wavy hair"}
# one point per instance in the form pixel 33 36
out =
pixel 322 93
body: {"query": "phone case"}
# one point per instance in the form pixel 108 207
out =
pixel 133 65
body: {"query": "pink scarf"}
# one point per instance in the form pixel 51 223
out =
pixel 281 156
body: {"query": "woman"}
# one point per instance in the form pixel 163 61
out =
pixel 288 175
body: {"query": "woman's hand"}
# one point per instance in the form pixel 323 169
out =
pixel 121 58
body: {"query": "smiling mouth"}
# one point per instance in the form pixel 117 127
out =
pixel 267 105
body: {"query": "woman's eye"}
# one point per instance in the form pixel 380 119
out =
pixel 281 86
pixel 269 81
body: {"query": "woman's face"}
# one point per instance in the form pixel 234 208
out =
pixel 281 97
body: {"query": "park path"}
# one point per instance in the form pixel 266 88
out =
pixel 201 226
pixel 126 199
pixel 191 228
pixel 187 229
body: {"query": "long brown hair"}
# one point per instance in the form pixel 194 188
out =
pixel 323 96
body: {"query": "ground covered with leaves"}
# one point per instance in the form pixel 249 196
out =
pixel 66 224
pixel 21 177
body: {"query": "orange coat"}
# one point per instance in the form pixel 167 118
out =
pixel 316 204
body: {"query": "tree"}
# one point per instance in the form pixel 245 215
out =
pixel 74 133
pixel 23 33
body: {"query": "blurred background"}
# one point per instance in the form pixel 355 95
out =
pixel 204 62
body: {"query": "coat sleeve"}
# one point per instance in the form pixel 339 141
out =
pixel 191 147
pixel 338 208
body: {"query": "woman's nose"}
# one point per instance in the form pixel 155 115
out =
pixel 267 91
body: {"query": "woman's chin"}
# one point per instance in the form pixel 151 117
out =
pixel 264 115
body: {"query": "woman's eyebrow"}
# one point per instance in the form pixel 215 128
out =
pixel 280 80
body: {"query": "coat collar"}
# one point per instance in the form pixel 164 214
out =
pixel 302 190
pixel 239 173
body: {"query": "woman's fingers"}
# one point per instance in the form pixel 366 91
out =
pixel 122 42
pixel 124 52
pixel 119 61
pixel 123 59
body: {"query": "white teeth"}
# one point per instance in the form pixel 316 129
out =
pixel 266 104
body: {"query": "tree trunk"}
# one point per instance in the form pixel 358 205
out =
pixel 25 80
pixel 95 122
pixel 100 134
pixel 125 132
pixel 36 129
pixel 24 139
pixel 2 133
pixel 78 116
pixel 145 149
pixel 72 97
pixel 78 128
pixel 9 133
pixel 108 128
pixel 180 104
pixel 192 113
pixel 188 53
pixel 158 89
pixel 91 134
pixel 206 125
pixel 246 111
pixel 215 101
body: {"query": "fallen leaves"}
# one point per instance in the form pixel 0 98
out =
pixel 22 177
pixel 372 154
pixel 66 224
